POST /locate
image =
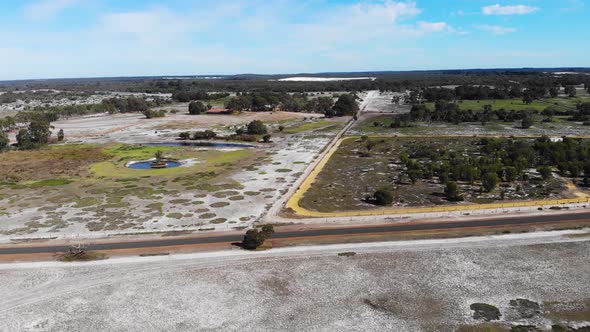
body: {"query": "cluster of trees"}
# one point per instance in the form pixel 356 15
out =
pixel 206 134
pixel 54 113
pixel 126 105
pixel 197 107
pixel 186 96
pixel 248 133
pixel 528 92
pixel 451 112
pixel 570 90
pixel 34 136
pixel 582 112
pixel 471 92
pixel 495 160
pixel 498 160
pixel 268 101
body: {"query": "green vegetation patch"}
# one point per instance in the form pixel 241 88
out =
pixel 218 221
pixel 508 104
pixel 219 204
pixel 174 215
pixel 51 183
pixel 307 126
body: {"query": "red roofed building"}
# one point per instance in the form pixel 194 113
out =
pixel 219 111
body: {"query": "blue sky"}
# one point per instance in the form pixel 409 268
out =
pixel 89 38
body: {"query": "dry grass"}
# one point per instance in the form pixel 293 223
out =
pixel 49 163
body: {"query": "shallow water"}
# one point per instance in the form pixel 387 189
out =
pixel 147 165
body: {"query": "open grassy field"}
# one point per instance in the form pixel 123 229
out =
pixel 560 126
pixel 323 124
pixel 507 104
pixel 352 175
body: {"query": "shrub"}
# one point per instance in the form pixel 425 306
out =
pixel 383 196
pixel 266 138
pixel 452 192
pixel 254 238
pixel 527 122
pixel 244 137
pixel 150 114
pixel 207 134
pixel 485 311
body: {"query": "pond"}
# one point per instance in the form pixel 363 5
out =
pixel 148 164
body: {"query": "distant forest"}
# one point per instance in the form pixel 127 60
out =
pixel 385 81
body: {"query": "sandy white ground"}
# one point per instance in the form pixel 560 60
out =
pixel 401 286
pixel 289 155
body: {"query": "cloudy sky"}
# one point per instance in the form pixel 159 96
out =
pixel 89 38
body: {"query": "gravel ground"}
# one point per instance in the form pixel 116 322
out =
pixel 410 286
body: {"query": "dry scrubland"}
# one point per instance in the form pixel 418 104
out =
pixel 85 188
pixel 352 174
pixel 418 287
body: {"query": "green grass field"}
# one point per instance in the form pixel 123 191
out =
pixel 315 125
pixel 507 104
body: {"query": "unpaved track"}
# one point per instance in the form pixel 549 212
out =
pixel 272 215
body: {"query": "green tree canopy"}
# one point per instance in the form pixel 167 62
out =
pixel 196 107
pixel 345 105
pixel 256 127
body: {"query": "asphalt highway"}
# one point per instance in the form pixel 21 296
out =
pixel 452 225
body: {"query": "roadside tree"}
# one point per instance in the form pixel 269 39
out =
pixel 254 238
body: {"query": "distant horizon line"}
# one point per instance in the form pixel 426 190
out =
pixel 349 73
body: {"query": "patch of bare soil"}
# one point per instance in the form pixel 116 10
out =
pixel 197 121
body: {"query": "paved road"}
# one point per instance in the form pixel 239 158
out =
pixel 455 225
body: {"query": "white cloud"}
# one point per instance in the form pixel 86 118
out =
pixel 508 10
pixel 428 27
pixel 47 9
pixel 496 29
pixel 389 11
